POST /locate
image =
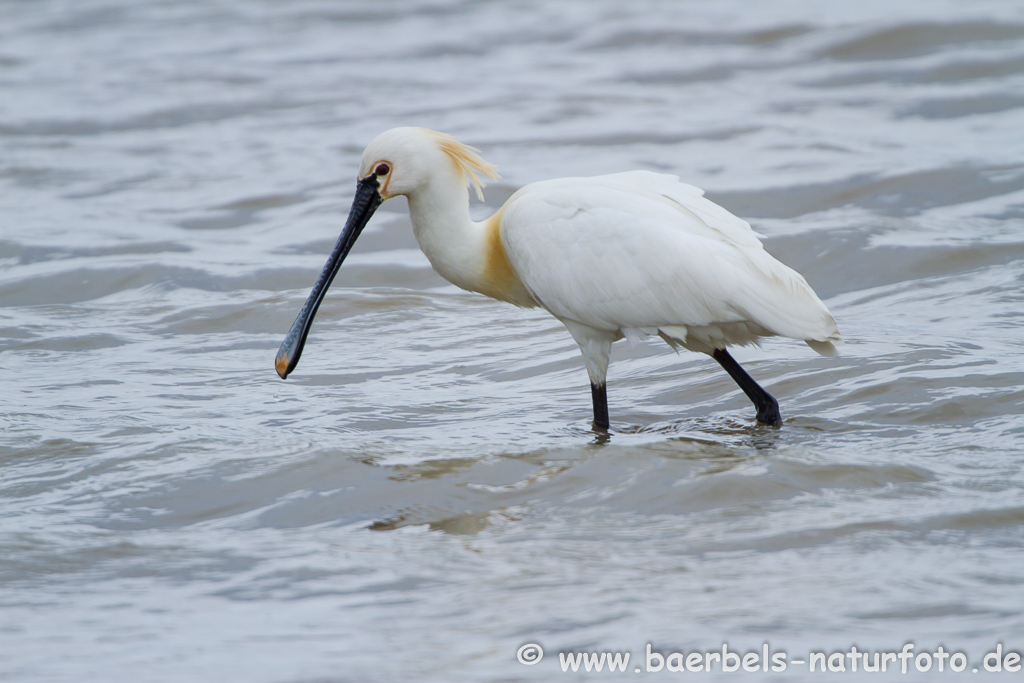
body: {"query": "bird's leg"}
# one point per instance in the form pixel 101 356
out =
pixel 599 392
pixel 596 347
pixel 767 406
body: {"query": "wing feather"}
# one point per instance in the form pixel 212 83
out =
pixel 642 250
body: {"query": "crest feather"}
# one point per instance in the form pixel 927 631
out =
pixel 467 160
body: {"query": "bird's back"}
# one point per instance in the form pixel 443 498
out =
pixel 640 251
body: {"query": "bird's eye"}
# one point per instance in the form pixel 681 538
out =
pixel 382 169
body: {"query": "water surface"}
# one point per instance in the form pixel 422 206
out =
pixel 424 495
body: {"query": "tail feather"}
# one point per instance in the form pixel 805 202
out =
pixel 825 348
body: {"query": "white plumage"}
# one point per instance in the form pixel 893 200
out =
pixel 641 253
pixel 628 254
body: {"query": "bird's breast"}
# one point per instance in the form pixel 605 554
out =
pixel 499 279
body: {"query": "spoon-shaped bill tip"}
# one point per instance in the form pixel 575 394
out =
pixel 281 365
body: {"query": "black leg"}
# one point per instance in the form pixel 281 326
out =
pixel 600 396
pixel 767 406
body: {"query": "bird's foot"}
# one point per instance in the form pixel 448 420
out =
pixel 768 414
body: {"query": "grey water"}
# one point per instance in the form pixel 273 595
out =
pixel 424 496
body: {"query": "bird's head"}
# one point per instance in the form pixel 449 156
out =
pixel 404 160
pixel 401 161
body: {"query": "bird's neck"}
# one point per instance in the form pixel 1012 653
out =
pixel 441 223
pixel 470 255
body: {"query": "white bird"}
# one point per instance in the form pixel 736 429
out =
pixel 622 255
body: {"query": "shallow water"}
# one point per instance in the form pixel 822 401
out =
pixel 424 495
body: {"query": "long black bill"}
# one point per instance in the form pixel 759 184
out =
pixel 366 202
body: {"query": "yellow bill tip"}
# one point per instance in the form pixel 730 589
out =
pixel 281 365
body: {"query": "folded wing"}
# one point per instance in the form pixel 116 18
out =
pixel 642 251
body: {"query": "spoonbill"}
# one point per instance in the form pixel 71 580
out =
pixel 631 254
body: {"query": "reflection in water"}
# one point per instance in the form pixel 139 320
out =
pixel 172 177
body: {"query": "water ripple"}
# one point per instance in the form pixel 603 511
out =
pixel 427 482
